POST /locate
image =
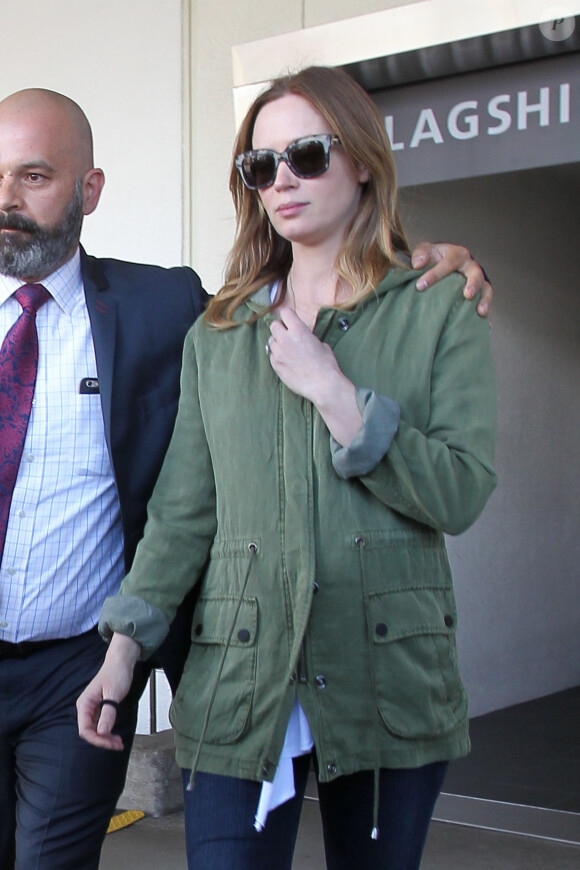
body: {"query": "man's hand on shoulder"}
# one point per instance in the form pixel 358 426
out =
pixel 446 258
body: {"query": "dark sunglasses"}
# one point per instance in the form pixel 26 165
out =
pixel 307 158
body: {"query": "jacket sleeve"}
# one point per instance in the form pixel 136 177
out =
pixel 180 528
pixel 443 475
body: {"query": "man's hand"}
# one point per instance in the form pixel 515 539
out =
pixel 446 258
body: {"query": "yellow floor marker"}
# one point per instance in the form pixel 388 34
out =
pixel 123 819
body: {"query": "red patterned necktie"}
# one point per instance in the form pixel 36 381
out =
pixel 18 367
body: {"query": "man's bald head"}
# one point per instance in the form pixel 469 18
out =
pixel 56 114
pixel 47 181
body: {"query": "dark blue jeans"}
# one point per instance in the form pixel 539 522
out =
pixel 219 818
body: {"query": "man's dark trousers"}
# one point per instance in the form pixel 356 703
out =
pixel 64 786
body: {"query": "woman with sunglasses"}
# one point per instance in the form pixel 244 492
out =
pixel 333 424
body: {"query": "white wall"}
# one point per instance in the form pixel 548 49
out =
pixel 121 61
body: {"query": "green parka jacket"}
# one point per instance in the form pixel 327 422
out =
pixel 327 580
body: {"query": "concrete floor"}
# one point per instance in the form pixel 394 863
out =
pixel 157 844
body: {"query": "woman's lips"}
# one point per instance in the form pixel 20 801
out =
pixel 287 209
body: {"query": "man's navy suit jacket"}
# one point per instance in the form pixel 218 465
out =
pixel 139 317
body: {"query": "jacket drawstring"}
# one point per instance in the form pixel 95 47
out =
pixel 360 544
pixel 252 549
pixel 375 830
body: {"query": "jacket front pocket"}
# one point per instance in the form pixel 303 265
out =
pixel 414 661
pixel 234 687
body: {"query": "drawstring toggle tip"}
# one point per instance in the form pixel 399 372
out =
pixel 375 834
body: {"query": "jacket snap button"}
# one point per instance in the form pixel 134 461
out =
pixel 381 629
pixel 331 767
pixel 448 621
pixel 198 629
pixel 315 587
pixel 243 635
pixel 343 323
pixel 321 681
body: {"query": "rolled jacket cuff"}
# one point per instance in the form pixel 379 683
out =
pixel 381 417
pixel 136 618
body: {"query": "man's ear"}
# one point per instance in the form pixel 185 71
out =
pixel 92 186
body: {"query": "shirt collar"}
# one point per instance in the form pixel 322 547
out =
pixel 65 285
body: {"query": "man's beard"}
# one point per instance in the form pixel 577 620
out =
pixel 40 251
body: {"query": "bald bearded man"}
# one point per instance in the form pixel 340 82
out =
pixel 110 336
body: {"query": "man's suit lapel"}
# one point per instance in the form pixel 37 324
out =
pixel 103 316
